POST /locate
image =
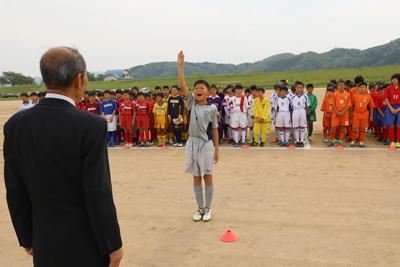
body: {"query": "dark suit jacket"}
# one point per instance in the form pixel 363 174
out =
pixel 58 185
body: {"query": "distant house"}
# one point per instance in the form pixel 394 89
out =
pixel 115 75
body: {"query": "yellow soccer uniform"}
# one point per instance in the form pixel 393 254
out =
pixel 165 100
pixel 261 111
pixel 161 112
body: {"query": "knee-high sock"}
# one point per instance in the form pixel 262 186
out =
pixel 113 136
pixel 310 130
pixel 385 133
pixel 141 134
pixel 362 135
pixel 296 135
pixel 302 134
pixel 378 131
pixel 198 192
pixel 325 131
pixel 287 135
pixel 127 137
pixel 159 137
pixel 209 195
pixel 353 135
pixel 333 136
pixel 164 137
pixel 131 137
pixel 147 135
pixel 391 134
pixel 263 136
pixel 342 132
pixel 282 136
pixel 109 137
pixel 236 136
pixel 243 135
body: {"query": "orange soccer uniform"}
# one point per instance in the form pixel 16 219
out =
pixel 361 114
pixel 326 122
pixel 341 101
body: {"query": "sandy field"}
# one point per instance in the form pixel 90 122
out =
pixel 302 207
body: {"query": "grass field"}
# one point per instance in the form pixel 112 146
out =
pixel 318 77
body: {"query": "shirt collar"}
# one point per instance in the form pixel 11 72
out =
pixel 62 97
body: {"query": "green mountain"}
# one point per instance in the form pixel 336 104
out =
pixel 338 58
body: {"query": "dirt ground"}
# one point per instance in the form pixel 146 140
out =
pixel 303 207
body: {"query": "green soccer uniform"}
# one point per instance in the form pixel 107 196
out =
pixel 312 105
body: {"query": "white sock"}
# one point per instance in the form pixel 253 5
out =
pixel 303 134
pixel 251 134
pixel 243 136
pixel 296 135
pixel 287 135
pixel 282 136
pixel 236 136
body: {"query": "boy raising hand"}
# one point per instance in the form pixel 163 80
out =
pixel 200 152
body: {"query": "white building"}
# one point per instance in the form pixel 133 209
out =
pixel 114 75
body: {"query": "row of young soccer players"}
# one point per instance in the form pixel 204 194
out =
pixel 349 106
pixel 35 98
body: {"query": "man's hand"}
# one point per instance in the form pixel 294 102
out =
pixel 181 58
pixel 115 258
pixel 216 156
pixel 29 251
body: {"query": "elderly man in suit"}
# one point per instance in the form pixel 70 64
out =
pixel 63 213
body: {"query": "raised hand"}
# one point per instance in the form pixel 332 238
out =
pixel 181 58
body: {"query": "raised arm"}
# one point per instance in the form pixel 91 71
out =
pixel 182 83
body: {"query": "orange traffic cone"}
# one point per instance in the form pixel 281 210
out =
pixel 229 236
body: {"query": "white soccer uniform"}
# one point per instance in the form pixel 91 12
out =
pixel 23 106
pixel 272 104
pixel 238 112
pixel 225 104
pixel 283 108
pixel 299 104
pixel 250 120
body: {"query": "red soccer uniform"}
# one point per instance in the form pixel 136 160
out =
pixel 374 95
pixel 142 109
pixel 95 108
pixel 82 105
pixel 127 109
pixel 393 95
pixel 380 102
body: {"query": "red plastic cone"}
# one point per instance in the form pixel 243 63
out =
pixel 339 147
pixel 127 147
pixel 392 148
pixel 245 147
pixel 229 236
pixel 290 147
pixel 164 147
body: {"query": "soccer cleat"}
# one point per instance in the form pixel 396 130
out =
pixel 159 145
pixel 297 145
pixel 199 215
pixel 219 142
pixel 207 215
pixel 376 134
pixel 251 141
pixel 134 144
pixel 352 144
pixel 398 144
pixel 171 141
pixel 280 142
pixel 254 144
pixel 301 144
pixel 226 137
pixel 151 143
pixel 109 145
pixel 367 130
pixel 243 144
pixel 117 143
pixel 339 143
pixel 179 144
pixel 326 140
pixel 380 139
pixel 176 144
pixel 393 144
pixel 130 145
pixel 348 140
pixel 287 144
pixel 236 144
pixel 361 144
pixel 230 141
pixel 276 140
pixel 262 144
pixel 335 140
pixel 147 144
pixel 385 142
pixel 331 143
pixel 141 144
pixel 310 138
pixel 112 144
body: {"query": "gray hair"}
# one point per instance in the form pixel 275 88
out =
pixel 59 69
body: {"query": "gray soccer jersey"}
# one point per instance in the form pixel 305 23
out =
pixel 202 118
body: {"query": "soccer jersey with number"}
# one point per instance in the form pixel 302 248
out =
pixel 127 108
pixel 108 107
pixel 327 106
pixel 393 95
pixel 299 101
pixel 340 100
pixel 380 102
pixel 283 104
pixel 165 99
pixel 93 108
pixel 142 108
pixel 361 105
pixel 239 104
pixel 217 101
pixel 160 110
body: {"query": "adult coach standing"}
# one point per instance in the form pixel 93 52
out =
pixel 63 212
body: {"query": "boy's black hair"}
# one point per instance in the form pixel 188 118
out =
pixel 283 87
pixel 334 87
pixel 276 86
pixel 238 86
pixel 126 92
pixel 386 85
pixel 371 85
pixel 86 92
pixel 100 93
pixel 33 93
pixel 132 93
pixel 330 85
pixel 363 83
pixel 136 88
pixel 348 82
pixel 261 89
pixel 165 87
pixel 221 95
pixel 247 90
pixel 330 90
pixel 380 88
pixel 155 94
pixel 396 75
pixel 300 83
pixel 293 88
pixel 146 95
pixel 219 88
pixel 285 84
pixel 160 94
pixel 310 85
pixel 119 91
pixel 333 81
pixel 107 92
pixel 24 94
pixel 358 79
pixel 92 94
pixel 283 81
pixel 140 93
pixel 202 82
pixel 44 93
pixel 157 87
pixel 112 93
pixel 352 85
pixel 175 86
pixel 253 87
pixel 233 89
pixel 341 81
pixel 229 86
pixel 39 94
pixel 213 86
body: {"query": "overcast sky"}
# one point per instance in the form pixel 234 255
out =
pixel 126 33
